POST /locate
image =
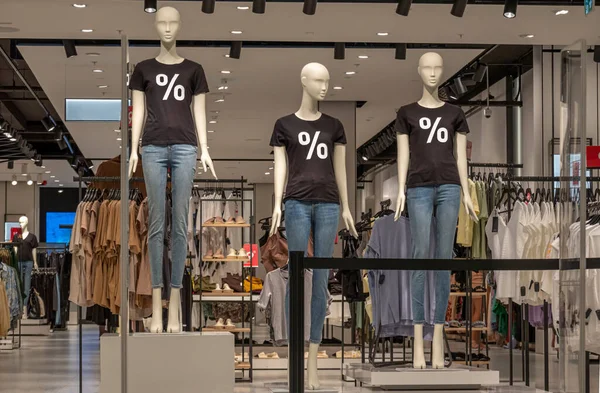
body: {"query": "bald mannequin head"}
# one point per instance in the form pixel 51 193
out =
pixel 431 69
pixel 315 80
pixel 168 23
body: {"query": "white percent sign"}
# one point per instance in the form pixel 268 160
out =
pixel 178 91
pixel 442 132
pixel 304 139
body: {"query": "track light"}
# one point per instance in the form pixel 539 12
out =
pixel 597 53
pixel 49 123
pixel 259 6
pixel 75 162
pixel 23 169
pixel 58 134
pixel 310 7
pixel 62 145
pixel 3 125
pixel 458 8
pixel 208 6
pixel 70 49
pixel 339 51
pixel 459 86
pixel 150 6
pixel 510 8
pixel 403 7
pixel 480 73
pixel 400 52
pixel 11 165
pixel 40 179
pixel 235 51
pixel 38 160
pixel 29 180
pixel 14 180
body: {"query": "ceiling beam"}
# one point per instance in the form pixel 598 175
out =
pixel 14 111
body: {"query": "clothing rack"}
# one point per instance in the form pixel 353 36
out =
pixel 493 165
pixel 138 179
pixel 13 244
pixel 552 178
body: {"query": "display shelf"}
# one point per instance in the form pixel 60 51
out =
pixel 221 225
pixel 224 298
pixel 242 366
pixel 229 330
pixel 225 260
pixel 474 362
pixel 464 329
pixel 229 294
pixel 473 294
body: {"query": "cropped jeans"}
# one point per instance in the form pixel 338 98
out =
pixel 421 201
pixel 322 218
pixel 181 159
pixel 26 267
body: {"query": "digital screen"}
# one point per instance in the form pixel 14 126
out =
pixel 589 6
pixel 56 226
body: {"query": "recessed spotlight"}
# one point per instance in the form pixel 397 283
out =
pixel 79 5
pixel 365 158
pixel 47 172
pixel 97 71
pixel 60 191
pixel 337 88
pixel 56 181
pixel 210 131
pixel 561 12
pixel 227 56
pixel 243 7
pixel 220 100
pixel 212 122
pixel 267 173
pixel 93 54
pixel 52 177
pixel 363 57
pixel 60 185
pixel 119 138
pixel 102 86
pixel 526 35
pixel 223 87
pixel 87 30
pixel 236 32
pixel 12 139
pixel 117 130
pixel 225 72
pixel 271 168
pixel 382 33
pixel 350 72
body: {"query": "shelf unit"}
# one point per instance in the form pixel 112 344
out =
pixel 246 299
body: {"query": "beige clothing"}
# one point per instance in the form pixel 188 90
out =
pixel 464 236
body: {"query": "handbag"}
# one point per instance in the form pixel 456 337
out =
pixel 33 306
pixel 234 281
pixel 257 284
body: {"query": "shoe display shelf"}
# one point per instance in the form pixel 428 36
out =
pixel 243 365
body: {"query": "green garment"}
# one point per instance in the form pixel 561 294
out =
pixel 501 317
pixel 479 246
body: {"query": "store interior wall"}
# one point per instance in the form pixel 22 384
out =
pixel 17 201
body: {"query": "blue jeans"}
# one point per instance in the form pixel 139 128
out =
pixel 421 202
pixel 181 159
pixel 26 267
pixel 322 218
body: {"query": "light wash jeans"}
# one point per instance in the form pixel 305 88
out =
pixel 323 219
pixel 420 203
pixel 181 159
pixel 26 267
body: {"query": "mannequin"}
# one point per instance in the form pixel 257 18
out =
pixel 27 256
pixel 169 103
pixel 434 133
pixel 315 189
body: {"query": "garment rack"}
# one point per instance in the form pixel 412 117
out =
pixel 13 244
pixel 139 179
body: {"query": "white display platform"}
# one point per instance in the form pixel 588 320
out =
pixel 159 363
pixel 395 378
pixel 35 327
pixel 282 387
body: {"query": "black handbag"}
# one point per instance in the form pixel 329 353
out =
pixel 33 306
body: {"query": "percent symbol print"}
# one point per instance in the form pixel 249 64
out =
pixel 442 132
pixel 305 140
pixel 178 91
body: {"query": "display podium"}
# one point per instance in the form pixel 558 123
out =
pixel 158 363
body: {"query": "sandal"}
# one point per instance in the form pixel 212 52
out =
pixel 455 288
pixel 479 289
pixel 240 220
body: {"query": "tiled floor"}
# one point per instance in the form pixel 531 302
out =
pixel 50 365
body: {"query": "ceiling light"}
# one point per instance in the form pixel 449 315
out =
pixel 310 7
pixel 403 7
pixel 79 5
pixel 47 172
pixel 87 30
pixel 271 168
pixel 29 180
pixel 510 8
pixel 339 51
pixel 243 7
pixel 458 8
pixel 258 6
pixel 210 131
pixel 220 100
pixel 60 185
pixel 526 35
pixel 223 87
pixel 62 145
pixel 98 71
pixel 365 158
pixel 40 179
pixel 93 54
pixel 227 56
pixel 117 130
pixel 337 88
pixel 14 180
pixel 49 123
pixel 119 138
pixel 70 49
pixel 236 32
pixel 58 134
pixel 60 191
pixel 561 12
pixel 56 181
pixel 480 73
pixel 267 173
pixel 13 139
pixel 212 122
pixel 225 72
pixel 350 72
pixel 235 51
pixel 52 177
pixel 102 86
pixel 208 6
pixel 459 86
pixel 382 33
pixel 400 52
pixel 150 6
pixel 363 57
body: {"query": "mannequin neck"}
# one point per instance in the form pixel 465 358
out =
pixel 430 98
pixel 168 54
pixel 309 108
pixel 25 232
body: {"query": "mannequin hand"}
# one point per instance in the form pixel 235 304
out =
pixel 275 221
pixel 399 205
pixel 349 222
pixel 133 161
pixel 35 266
pixel 207 162
pixel 470 209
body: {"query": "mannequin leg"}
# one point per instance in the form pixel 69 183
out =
pixel 26 268
pixel 312 371
pixel 174 325
pixel 437 351
pixel 418 352
pixel 155 162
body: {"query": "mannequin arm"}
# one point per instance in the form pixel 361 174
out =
pixel 199 109
pixel 280 175
pixel 137 123
pixel 460 152
pixel 339 168
pixel 34 253
pixel 402 160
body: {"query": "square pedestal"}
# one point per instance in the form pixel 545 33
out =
pixel 159 363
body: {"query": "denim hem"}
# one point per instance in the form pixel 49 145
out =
pixel 161 286
pixel 177 286
pixel 439 323
pixel 418 322
pixel 315 341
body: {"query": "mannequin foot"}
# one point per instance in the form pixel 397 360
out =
pixel 437 349
pixel 174 325
pixel 156 326
pixel 418 353
pixel 313 377
pixel 24 312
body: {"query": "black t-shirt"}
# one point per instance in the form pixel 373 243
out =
pixel 431 134
pixel 169 90
pixel 25 251
pixel 309 146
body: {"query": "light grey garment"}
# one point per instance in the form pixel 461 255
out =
pixel 390 289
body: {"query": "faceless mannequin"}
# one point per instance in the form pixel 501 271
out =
pixel 27 240
pixel 431 70
pixel 168 24
pixel 315 83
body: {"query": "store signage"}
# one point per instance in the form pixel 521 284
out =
pixel 252 251
pixel 592 158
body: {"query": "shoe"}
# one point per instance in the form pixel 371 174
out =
pixel 273 355
pixel 230 220
pixel 240 220
pixel 219 324
pixel 219 254
pixel 218 290
pixel 322 355
pixel 262 355
pixel 209 221
pixel 208 255
pixel 232 253
pixel 227 289
pixel 219 220
pixel 242 254
pixel 229 324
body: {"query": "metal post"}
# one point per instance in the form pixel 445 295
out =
pixel 510 351
pixel 124 212
pixel 546 354
pixel 526 325
pixel 79 327
pixel 296 339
